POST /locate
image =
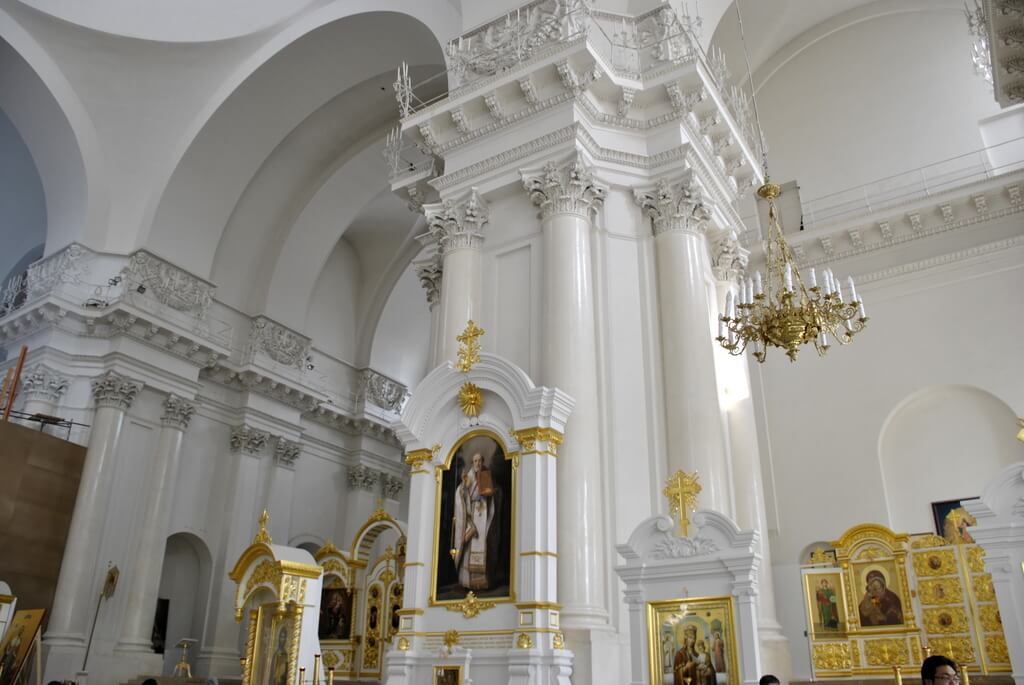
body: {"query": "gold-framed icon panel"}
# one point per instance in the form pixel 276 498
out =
pixel 656 608
pixel 439 470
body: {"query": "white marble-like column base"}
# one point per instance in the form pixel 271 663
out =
pixel 539 667
pixel 130 665
pixel 218 662
pixel 598 655
pixel 62 656
pixel 584 617
pixel 775 655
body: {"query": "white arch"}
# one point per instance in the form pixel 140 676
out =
pixel 44 108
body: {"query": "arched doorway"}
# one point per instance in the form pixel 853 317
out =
pixel 182 598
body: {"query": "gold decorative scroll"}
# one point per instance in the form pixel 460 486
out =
pixel 471 606
pixel 524 641
pixel 944 591
pixel 469 347
pixel 682 489
pixel 820 556
pixel 946 620
pixel 451 638
pixel 995 649
pixel 886 652
pixel 988 616
pixel 417 459
pixel 832 656
pixel 959 649
pixel 983 590
pixel 976 559
pixel 929 540
pixel 935 563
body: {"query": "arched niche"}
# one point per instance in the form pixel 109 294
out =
pixel 942 442
pixel 185 587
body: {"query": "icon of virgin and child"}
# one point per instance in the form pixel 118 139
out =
pixel 474 543
pixel 699 660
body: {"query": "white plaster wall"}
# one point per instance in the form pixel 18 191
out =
pixel 22 204
pixel 946 442
pixel 872 99
pixel 319 488
pixel 823 418
pixel 401 345
pixel 331 319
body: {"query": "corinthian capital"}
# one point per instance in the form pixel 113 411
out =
pixel 430 272
pixel 115 391
pixel 674 205
pixel 247 439
pixel 362 477
pixel 566 189
pixel 43 384
pixel 457 224
pixel 177 412
pixel 286 452
pixel 728 258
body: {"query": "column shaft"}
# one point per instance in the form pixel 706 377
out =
pixel 77 585
pixel 147 564
pixel 460 298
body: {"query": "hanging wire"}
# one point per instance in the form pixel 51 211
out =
pixel 753 99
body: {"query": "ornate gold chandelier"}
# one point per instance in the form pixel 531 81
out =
pixel 779 310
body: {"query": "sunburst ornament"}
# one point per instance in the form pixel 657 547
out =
pixel 470 399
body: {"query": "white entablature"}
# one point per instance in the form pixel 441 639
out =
pixel 634 93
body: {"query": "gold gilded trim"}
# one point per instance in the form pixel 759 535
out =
pixel 540 605
pixel 410 612
pixel 529 437
pixel 539 553
pixel 471 606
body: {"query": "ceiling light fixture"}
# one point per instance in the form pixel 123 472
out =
pixel 778 309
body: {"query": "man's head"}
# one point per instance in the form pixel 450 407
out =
pixel 478 461
pixel 768 680
pixel 939 670
pixel 824 583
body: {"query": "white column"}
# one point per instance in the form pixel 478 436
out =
pixel 281 488
pixel 729 261
pixel 361 498
pixel 430 272
pixel 457 226
pixel 79 582
pixel 694 435
pixel 145 568
pixel 42 387
pixel 567 196
pixel 235 506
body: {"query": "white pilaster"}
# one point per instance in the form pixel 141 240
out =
pixel 148 555
pixel 457 227
pixel 431 274
pixel 695 439
pixel 78 583
pixel 568 195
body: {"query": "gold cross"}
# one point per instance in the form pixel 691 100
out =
pixel 681 490
pixel 262 536
pixel 469 347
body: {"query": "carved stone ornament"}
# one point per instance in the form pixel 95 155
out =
pixel 115 391
pixel 42 384
pixel 728 258
pixel 61 267
pixel 457 225
pixel 177 412
pixel 362 477
pixel 391 486
pixel 286 452
pixel 507 41
pixel 430 271
pixel 674 206
pixel 570 189
pixel 247 439
pixel 170 285
pixel 278 342
pixel 681 548
pixel 382 391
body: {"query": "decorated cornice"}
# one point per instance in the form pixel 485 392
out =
pixel 115 391
pixel 40 383
pixel 286 452
pixel 332 417
pixel 169 285
pixel 566 189
pixel 382 391
pixel 278 342
pixel 247 439
pixel 177 412
pixel 456 224
pixel 277 387
pixel 674 205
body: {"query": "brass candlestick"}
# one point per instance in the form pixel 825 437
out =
pixel 316 669
pixel 330 675
pixel 302 676
pixel 965 679
pixel 898 675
